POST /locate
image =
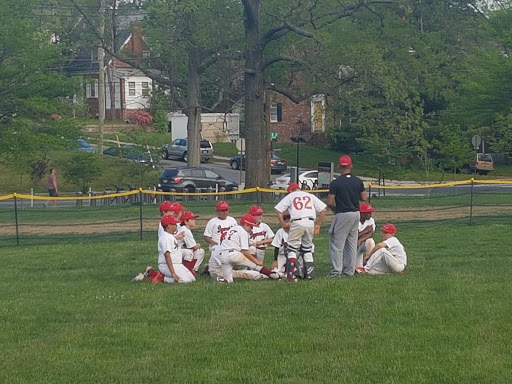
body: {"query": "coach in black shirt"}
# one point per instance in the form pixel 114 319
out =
pixel 344 195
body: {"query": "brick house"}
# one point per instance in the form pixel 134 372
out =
pixel 288 119
pixel 131 89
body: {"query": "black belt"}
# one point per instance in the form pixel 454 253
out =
pixel 261 248
pixel 229 250
pixel 304 218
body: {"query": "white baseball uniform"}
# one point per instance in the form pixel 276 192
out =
pixel 259 233
pixel 167 243
pixel 367 245
pixel 230 252
pixel 186 244
pixel 386 260
pixel 303 208
pixel 216 227
pixel 280 241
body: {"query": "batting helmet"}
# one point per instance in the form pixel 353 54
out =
pixel 168 220
pixel 292 187
pixel 222 206
pixel 388 228
pixel 248 219
pixel 166 206
pixel 366 208
pixel 256 210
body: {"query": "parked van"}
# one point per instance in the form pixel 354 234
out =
pixel 483 164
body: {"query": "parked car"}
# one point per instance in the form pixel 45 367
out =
pixel 483 164
pixel 277 165
pixel 130 153
pixel 307 180
pixel 84 146
pixel 188 179
pixel 179 149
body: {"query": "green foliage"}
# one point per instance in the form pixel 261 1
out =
pixel 82 169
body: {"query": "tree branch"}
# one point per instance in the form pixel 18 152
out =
pixel 277 59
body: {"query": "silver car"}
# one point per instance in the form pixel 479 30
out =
pixel 178 149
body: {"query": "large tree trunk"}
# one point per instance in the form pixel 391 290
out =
pixel 258 160
pixel 193 109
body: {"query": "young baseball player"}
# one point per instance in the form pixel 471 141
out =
pixel 387 256
pixel 365 242
pixel 280 242
pixel 303 208
pixel 192 252
pixel 166 208
pixel 234 250
pixel 261 234
pixel 170 266
pixel 173 209
pixel 218 226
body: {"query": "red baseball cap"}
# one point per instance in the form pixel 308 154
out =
pixel 177 207
pixel 292 187
pixel 166 206
pixel 168 220
pixel 222 206
pixel 256 210
pixel 388 228
pixel 345 161
pixel 187 215
pixel 248 219
pixel 366 208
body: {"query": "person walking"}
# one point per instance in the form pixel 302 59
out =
pixel 344 195
pixel 53 191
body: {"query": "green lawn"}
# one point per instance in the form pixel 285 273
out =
pixel 69 313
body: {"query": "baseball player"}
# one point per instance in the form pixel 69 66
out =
pixel 191 251
pixel 303 208
pixel 168 208
pixel 261 234
pixel 365 242
pixel 177 210
pixel 387 256
pixel 280 243
pixel 218 226
pixel 170 266
pixel 234 250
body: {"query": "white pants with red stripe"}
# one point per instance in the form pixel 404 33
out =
pixel 364 249
pixel 383 262
pixel 184 275
pixel 215 270
pixel 197 255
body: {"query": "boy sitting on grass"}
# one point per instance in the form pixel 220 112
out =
pixel 170 264
pixel 387 256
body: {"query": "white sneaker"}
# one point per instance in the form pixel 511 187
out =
pixel 139 277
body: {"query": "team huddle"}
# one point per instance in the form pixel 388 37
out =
pixel 237 250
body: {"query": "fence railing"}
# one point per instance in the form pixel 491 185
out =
pixel 134 215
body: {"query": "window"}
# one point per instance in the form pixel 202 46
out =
pixel 146 54
pixel 211 174
pixel 91 89
pixel 276 112
pixel 318 113
pixel 145 89
pixel 131 88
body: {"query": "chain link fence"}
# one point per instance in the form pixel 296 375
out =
pixel 134 214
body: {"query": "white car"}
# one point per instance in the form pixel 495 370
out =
pixel 307 180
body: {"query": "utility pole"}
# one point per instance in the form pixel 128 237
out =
pixel 101 80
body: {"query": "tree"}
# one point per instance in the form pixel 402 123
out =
pixel 82 169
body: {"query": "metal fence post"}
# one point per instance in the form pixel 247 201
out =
pixel 16 219
pixel 471 203
pixel 369 193
pixel 140 211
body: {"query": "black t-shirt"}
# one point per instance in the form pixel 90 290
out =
pixel 347 191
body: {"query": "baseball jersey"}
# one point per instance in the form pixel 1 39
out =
pixel 259 233
pixel 300 205
pixel 167 243
pixel 347 191
pixel 397 249
pixel 280 240
pixel 216 227
pixel 188 240
pixel 236 238
pixel 367 223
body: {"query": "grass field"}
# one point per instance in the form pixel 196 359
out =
pixel 69 313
